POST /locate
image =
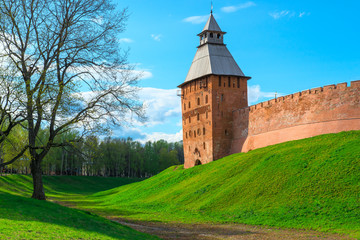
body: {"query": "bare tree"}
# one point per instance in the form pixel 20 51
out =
pixel 70 67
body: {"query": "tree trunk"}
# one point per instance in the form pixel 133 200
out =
pixel 36 172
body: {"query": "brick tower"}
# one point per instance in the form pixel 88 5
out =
pixel 214 87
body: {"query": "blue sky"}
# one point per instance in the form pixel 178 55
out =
pixel 285 46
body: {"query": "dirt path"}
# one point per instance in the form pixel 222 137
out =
pixel 223 231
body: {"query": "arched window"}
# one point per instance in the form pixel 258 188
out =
pixel 189 119
pixel 203 131
pixel 194 133
pixel 198 116
pixel 206 99
pixel 204 145
pixel 219 36
pixel 198 101
pixel 184 106
pixel 197 162
pixel 211 35
pixel 189 105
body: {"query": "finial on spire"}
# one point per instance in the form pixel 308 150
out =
pixel 211 7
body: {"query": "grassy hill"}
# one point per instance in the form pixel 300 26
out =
pixel 311 183
pixel 25 218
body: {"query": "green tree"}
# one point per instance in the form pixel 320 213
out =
pixel 59 47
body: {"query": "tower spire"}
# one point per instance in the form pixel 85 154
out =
pixel 211 7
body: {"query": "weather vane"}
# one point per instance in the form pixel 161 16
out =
pixel 212 7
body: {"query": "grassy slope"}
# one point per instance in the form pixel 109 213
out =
pixel 311 183
pixel 25 218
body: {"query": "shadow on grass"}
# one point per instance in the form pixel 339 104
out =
pixel 18 208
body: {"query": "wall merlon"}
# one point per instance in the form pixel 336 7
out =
pixel 306 92
pixel 341 86
pixel 291 96
pixel 329 87
pixel 355 84
pixel 316 90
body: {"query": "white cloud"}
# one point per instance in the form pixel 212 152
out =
pixel 161 105
pixel 234 8
pixel 156 37
pixel 196 19
pixel 287 13
pixel 255 94
pixel 301 14
pixel 155 136
pixel 279 14
pixel 125 40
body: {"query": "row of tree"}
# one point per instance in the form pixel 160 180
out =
pixel 111 157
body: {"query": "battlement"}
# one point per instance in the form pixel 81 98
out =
pixel 340 87
pixel 329 109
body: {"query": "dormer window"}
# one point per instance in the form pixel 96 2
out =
pixel 211 35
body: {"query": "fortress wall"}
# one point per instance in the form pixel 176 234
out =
pixel 329 109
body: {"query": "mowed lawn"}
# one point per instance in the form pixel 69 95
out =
pixel 24 218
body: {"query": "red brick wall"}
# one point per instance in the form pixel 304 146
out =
pixel 328 109
pixel 215 116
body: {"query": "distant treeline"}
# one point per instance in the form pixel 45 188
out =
pixel 110 157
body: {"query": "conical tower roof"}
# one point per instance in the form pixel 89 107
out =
pixel 211 25
pixel 212 56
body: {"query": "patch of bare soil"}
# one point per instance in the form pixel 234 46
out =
pixel 223 231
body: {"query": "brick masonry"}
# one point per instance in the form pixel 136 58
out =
pixel 328 109
pixel 217 120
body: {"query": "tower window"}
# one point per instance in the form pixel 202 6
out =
pixel 226 132
pixel 234 84
pixel 184 106
pixel 207 115
pixel 198 101
pixel 238 82
pixel 203 131
pixel 194 133
pixel 189 119
pixel 211 35
pixel 222 97
pixel 198 116
pixel 219 81
pixel 189 105
pixel 219 36
pixel 204 145
pixel 198 131
pixel 229 85
pixel 189 133
pixel 186 134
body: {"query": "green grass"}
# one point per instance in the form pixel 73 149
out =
pixel 24 218
pixel 310 184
